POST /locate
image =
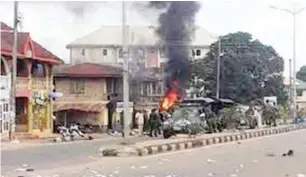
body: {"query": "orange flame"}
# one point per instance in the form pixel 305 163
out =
pixel 169 100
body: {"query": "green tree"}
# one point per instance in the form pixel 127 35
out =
pixel 301 74
pixel 248 69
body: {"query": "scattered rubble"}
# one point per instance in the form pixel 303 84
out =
pixel 210 174
pixel 254 161
pixel 289 153
pixel 210 161
pixel 300 175
pixel 143 167
pixel 270 154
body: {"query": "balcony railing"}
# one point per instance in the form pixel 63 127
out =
pixel 39 83
pixel 36 83
pixel 22 83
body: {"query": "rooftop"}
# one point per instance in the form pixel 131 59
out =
pixel 24 44
pixel 88 70
pixel 138 35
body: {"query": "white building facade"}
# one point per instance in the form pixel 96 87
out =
pixel 105 46
pixel 146 52
pixel 5 88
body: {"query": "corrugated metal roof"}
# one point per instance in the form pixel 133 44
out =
pixel 138 35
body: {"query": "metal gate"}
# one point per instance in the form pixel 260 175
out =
pixel 4 116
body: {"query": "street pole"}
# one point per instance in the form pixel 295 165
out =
pixel 14 73
pixel 218 69
pixel 294 65
pixel 294 13
pixel 290 88
pixel 126 114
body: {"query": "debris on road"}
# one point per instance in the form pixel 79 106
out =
pixel 289 153
pixel 270 154
pixel 143 167
pixel 21 169
pixel 300 175
pixel 210 174
pixel 210 161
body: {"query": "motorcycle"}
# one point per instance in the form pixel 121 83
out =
pixel 70 133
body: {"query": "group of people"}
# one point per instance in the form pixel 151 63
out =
pixel 151 124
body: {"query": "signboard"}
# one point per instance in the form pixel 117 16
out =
pixel 56 95
pixel 272 100
pixel 120 104
pixel 120 107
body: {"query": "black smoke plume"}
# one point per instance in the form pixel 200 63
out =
pixel 176 30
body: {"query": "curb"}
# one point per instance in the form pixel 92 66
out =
pixel 196 143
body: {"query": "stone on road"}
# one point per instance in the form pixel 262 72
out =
pixel 224 160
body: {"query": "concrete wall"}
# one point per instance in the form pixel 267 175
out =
pixel 95 90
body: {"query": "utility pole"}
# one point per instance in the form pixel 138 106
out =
pixel 218 69
pixel 14 73
pixel 126 118
pixel 294 12
pixel 290 88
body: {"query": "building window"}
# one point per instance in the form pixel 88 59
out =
pixel 112 86
pixel 104 52
pixel 198 52
pixel 145 89
pixel 162 52
pixel 154 88
pixel 37 69
pixel 5 107
pixel 141 54
pixel 83 52
pixel 162 65
pixel 160 89
pixel 120 53
pixel 77 86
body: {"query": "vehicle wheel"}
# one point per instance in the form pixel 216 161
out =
pixel 167 134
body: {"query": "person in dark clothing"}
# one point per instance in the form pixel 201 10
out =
pixel 146 120
pixel 153 123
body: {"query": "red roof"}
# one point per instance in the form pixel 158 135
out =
pixel 25 43
pixel 87 70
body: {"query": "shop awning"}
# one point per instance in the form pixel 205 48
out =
pixel 80 106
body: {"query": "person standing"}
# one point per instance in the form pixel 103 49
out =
pixel 140 121
pixel 145 121
pixel 153 123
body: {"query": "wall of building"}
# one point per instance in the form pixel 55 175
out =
pixel 93 55
pixel 94 89
pixel 150 56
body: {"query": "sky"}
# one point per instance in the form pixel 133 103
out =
pixel 56 24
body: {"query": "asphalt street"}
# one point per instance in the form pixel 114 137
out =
pixel 250 158
pixel 56 155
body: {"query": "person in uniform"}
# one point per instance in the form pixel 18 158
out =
pixel 153 123
pixel 211 121
pixel 250 116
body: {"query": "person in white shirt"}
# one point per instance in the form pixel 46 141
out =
pixel 140 121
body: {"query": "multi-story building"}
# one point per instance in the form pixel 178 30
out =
pixel 87 89
pixel 145 52
pixel 33 84
pixel 301 92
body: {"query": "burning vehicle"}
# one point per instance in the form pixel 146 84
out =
pixel 184 120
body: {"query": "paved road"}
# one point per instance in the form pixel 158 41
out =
pixel 56 154
pixel 251 158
